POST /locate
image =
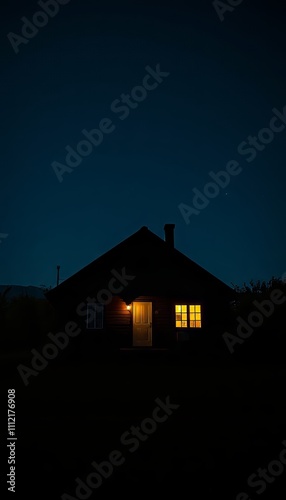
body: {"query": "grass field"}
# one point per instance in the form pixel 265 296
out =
pixel 230 421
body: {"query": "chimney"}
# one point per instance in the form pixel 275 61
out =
pixel 169 234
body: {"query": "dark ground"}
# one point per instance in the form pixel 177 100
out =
pixel 230 422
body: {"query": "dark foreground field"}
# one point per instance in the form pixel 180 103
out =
pixel 229 423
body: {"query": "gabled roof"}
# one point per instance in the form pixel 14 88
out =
pixel 158 269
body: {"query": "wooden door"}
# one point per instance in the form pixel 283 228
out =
pixel 142 324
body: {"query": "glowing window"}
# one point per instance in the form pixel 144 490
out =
pixel 195 316
pixel 188 316
pixel 181 316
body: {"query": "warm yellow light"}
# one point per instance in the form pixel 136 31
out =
pixel 188 316
pixel 128 307
pixel 195 316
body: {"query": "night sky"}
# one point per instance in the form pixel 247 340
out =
pixel 225 78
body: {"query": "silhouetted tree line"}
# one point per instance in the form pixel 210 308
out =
pixel 262 307
pixel 257 291
pixel 24 321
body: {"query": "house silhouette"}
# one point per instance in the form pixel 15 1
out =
pixel 143 293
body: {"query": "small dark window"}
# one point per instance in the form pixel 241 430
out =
pixel 94 320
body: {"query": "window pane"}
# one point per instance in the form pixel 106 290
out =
pixel 94 316
pixel 99 317
pixel 184 324
pixel 178 309
pixel 184 309
pixel 195 316
pixel 90 316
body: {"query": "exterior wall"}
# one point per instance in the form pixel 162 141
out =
pixel 118 323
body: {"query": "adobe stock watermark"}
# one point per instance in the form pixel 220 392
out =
pixel 130 439
pixel 221 179
pixel 222 7
pixel 121 107
pixel 264 309
pixel 263 477
pixel 3 236
pixel 61 340
pixel 40 19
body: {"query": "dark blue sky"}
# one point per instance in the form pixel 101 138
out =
pixel 225 79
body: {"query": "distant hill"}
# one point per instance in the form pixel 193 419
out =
pixel 22 291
